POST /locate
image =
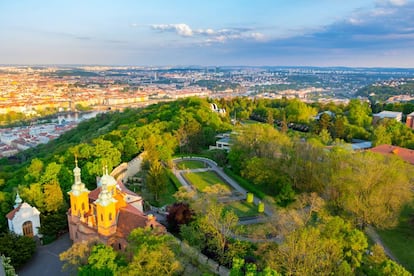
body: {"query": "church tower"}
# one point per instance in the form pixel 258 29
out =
pixel 106 211
pixel 79 201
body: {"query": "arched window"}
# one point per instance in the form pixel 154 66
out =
pixel 83 206
pixel 101 217
pixel 110 216
pixel 119 246
pixel 28 228
pixel 74 206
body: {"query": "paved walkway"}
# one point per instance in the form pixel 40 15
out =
pixel 213 166
pixel 46 261
pixel 370 231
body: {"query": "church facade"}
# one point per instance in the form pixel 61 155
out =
pixel 23 219
pixel 109 213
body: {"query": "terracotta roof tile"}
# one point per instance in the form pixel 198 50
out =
pixel 405 154
pixel 128 221
pixel 93 195
pixel 13 212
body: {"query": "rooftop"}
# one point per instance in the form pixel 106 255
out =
pixel 406 154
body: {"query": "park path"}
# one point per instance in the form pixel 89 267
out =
pixel 370 231
pixel 212 166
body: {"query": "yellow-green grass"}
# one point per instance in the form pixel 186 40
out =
pixel 190 164
pixel 165 198
pixel 201 180
pixel 257 231
pixel 400 240
pixel 242 208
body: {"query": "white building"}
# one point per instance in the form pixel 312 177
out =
pixel 387 115
pixel 24 219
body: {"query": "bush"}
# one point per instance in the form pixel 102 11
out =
pixel 18 248
pixel 245 184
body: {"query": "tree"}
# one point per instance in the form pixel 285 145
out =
pixel 304 252
pixel 18 248
pixel 299 112
pixel 359 113
pixel 373 188
pixel 8 268
pixel 151 253
pixel 338 127
pixel 240 268
pixel 148 262
pixel 53 197
pixel 51 173
pixel 53 223
pixel 327 247
pixel 34 171
pixel 34 195
pixel 381 136
pixel 77 255
pixel 178 214
pixel 103 260
pixel 156 179
pixel 211 230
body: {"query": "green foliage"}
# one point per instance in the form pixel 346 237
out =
pixel 152 254
pixel 393 132
pixel 210 231
pixel 53 224
pixel 8 268
pixel 400 239
pixel 299 112
pixel 18 248
pixel 359 113
pixel 322 249
pixel 367 180
pixel 156 179
pixel 245 184
pixel 103 260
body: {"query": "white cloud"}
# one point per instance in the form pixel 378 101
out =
pixel 181 29
pixel 391 2
pixel 220 35
pixel 398 2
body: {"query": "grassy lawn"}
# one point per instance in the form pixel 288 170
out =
pixel 258 231
pixel 242 208
pixel 400 240
pixel 245 184
pixel 190 164
pixel 165 198
pixel 201 180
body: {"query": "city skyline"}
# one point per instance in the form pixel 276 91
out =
pixel 364 33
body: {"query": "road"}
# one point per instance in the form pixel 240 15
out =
pixel 46 261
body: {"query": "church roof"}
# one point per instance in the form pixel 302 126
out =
pixel 21 206
pixel 94 194
pixel 129 219
pixel 13 212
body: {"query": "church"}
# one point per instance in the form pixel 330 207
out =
pixel 109 213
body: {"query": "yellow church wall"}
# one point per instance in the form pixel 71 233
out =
pixel 106 218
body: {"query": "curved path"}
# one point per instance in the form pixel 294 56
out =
pixel 212 166
pixel 370 231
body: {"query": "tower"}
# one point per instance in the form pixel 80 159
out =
pixel 79 201
pixel 106 211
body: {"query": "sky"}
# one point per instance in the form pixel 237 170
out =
pixel 355 33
